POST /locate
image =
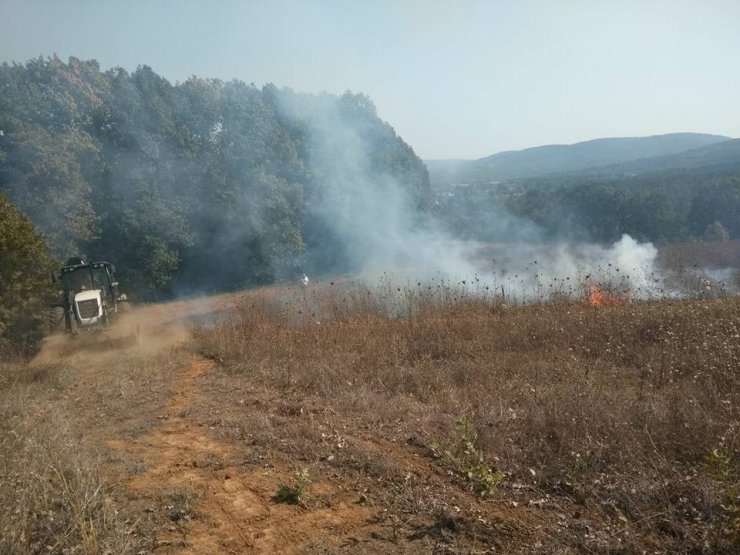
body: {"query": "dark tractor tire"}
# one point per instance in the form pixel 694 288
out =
pixel 56 319
pixel 73 325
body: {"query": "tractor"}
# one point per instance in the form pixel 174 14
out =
pixel 90 299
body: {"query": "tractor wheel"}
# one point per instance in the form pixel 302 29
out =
pixel 73 325
pixel 123 307
pixel 56 319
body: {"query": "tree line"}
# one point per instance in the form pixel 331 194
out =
pixel 190 187
pixel 667 206
pixel 209 185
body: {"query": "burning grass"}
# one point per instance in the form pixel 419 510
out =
pixel 609 422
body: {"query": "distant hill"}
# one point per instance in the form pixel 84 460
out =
pixel 542 160
pixel 724 155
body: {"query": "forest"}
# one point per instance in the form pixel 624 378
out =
pixel 664 206
pixel 197 186
pixel 205 186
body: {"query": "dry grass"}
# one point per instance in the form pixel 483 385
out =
pixel 706 269
pixel 621 423
pixel 425 418
pixel 700 254
pixel 52 497
pixel 59 485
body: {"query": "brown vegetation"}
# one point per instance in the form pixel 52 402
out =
pixel 345 419
pixel 611 421
pixel 52 497
pixel 700 254
pixel 59 486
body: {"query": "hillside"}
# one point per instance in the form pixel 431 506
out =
pixel 247 423
pixel 717 157
pixel 690 195
pixel 197 186
pixel 547 159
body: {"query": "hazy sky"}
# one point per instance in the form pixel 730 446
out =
pixel 457 79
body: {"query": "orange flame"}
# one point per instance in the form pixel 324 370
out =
pixel 597 297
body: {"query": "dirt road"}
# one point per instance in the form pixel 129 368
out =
pixel 185 489
pixel 243 424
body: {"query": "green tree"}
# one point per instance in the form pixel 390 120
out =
pixel 25 285
pixel 197 186
pixel 717 202
pixel 650 215
pixel 716 232
pixel 595 209
pixel 45 179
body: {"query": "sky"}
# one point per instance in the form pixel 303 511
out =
pixel 456 79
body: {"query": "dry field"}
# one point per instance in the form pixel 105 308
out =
pixel 701 254
pixel 347 420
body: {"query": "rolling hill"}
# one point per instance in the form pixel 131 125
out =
pixel 542 160
pixel 724 155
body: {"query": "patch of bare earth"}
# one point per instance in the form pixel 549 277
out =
pixel 230 509
pixel 283 421
pixel 180 487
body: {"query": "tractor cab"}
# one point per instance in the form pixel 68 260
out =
pixel 90 294
pixel 85 277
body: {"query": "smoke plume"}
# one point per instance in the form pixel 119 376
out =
pixel 373 216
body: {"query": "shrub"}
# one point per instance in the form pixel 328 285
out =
pixel 25 286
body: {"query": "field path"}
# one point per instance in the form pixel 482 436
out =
pixel 196 457
pixel 222 504
pixel 186 436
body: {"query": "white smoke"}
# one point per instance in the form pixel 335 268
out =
pixel 373 215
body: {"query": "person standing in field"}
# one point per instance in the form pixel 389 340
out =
pixel 304 281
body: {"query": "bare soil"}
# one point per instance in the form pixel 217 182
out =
pixel 192 432
pixel 183 489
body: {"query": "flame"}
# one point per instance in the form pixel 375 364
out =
pixel 597 297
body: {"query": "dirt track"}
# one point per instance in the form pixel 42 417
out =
pixel 197 428
pixel 213 501
pixel 233 510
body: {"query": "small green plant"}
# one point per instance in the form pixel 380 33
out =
pixel 581 463
pixel 467 459
pixel 724 468
pixel 731 508
pixel 293 494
